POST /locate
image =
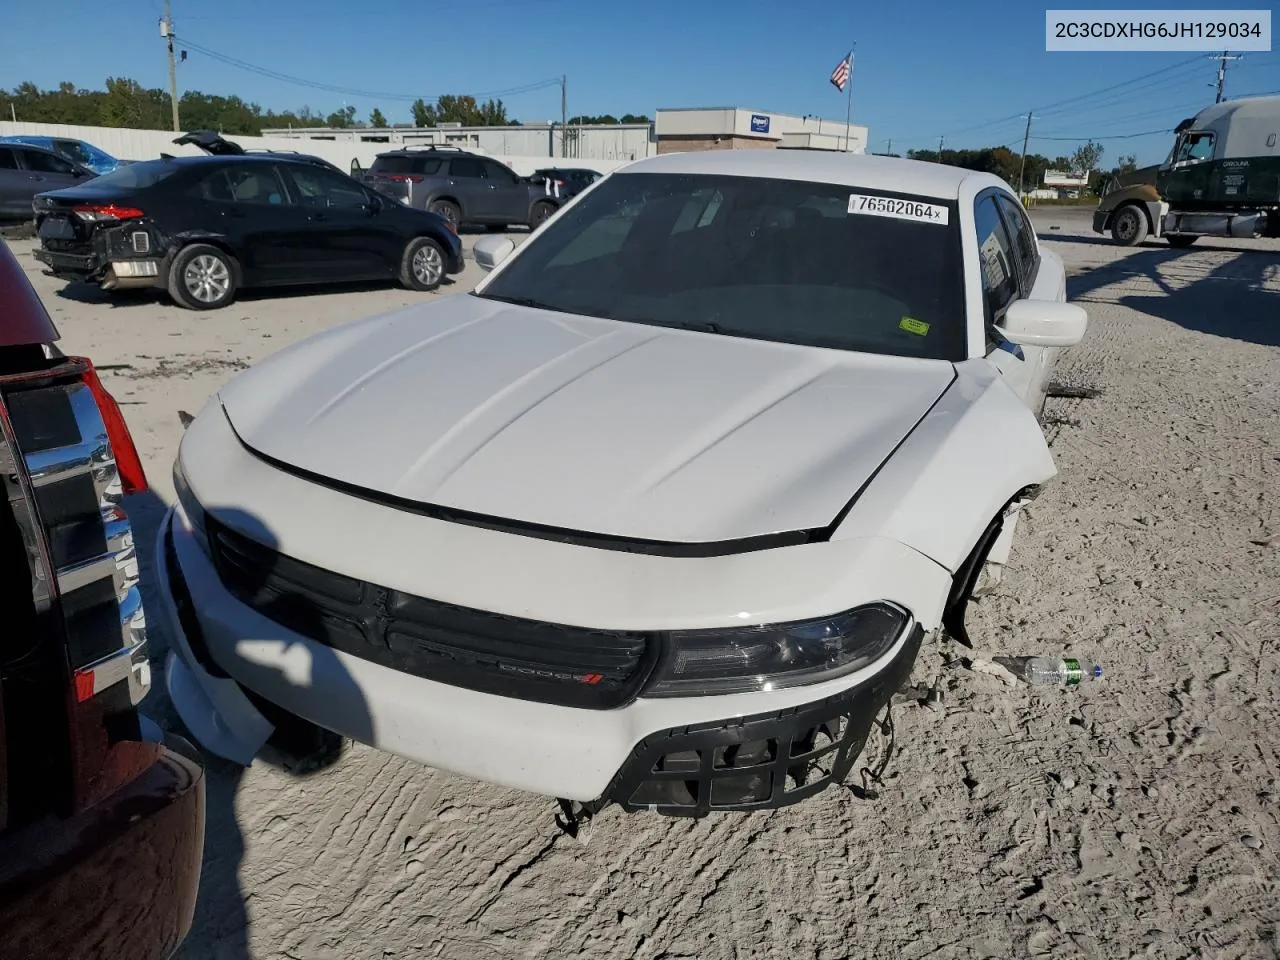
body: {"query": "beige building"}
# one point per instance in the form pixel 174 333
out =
pixel 737 128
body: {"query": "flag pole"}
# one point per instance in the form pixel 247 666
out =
pixel 848 110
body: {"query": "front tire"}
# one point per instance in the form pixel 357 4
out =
pixel 299 746
pixel 1129 226
pixel 1181 240
pixel 202 277
pixel 422 267
pixel 540 213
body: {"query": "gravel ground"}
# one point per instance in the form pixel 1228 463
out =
pixel 1135 817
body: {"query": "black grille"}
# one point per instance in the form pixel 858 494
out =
pixel 476 649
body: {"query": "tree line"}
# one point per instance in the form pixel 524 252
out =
pixel 1006 164
pixel 126 103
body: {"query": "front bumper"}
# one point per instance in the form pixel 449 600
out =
pixel 118 880
pixel 759 762
pixel 221 647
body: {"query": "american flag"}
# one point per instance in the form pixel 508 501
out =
pixel 840 75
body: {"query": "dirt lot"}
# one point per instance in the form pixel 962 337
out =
pixel 1136 817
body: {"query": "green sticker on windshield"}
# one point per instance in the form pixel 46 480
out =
pixel 912 325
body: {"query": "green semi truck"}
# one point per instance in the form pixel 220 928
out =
pixel 1221 179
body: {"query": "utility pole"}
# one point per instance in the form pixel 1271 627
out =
pixel 939 149
pixel 1222 72
pixel 166 31
pixel 889 148
pixel 1022 167
pixel 564 115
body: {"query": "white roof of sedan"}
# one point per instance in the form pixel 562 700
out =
pixel 818 166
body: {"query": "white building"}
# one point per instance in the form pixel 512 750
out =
pixel 620 141
pixel 736 128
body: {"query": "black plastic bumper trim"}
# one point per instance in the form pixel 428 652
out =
pixel 185 607
pixel 697 763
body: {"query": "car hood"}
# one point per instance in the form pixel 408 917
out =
pixel 602 427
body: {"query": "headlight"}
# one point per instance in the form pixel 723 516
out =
pixel 770 657
pixel 190 505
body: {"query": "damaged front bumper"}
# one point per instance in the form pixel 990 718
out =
pixel 763 761
pixel 678 756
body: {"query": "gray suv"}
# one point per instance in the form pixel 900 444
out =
pixel 26 171
pixel 461 187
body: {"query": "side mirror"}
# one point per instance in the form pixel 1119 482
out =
pixel 1043 323
pixel 491 251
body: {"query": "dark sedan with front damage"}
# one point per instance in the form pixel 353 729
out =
pixel 203 228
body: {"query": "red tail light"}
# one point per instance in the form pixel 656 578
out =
pixel 129 465
pixel 96 212
pixel 77 463
pixel 405 177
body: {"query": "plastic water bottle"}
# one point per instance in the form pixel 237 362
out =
pixel 1045 671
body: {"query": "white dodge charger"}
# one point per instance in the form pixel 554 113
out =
pixel 659 515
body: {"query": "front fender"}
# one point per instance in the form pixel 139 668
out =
pixel 976 450
pixel 1143 195
pixel 1138 193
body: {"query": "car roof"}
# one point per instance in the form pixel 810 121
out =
pixel 211 159
pixel 23 318
pixel 890 174
pixel 426 150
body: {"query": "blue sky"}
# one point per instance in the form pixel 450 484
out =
pixel 923 67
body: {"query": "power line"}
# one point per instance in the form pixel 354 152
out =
pixel 473 5
pixel 353 91
pixel 1118 136
pixel 1116 86
pixel 1149 114
pixel 1056 108
pixel 1175 79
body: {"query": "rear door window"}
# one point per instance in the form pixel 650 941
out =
pixel 404 165
pixel 215 187
pixel 255 183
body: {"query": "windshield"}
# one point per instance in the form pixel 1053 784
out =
pixel 769 259
pixel 137 175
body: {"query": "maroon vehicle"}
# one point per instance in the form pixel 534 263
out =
pixel 101 815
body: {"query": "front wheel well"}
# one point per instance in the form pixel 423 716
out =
pixel 966 575
pixel 1138 205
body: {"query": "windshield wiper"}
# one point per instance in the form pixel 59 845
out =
pixel 519 301
pixel 698 326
